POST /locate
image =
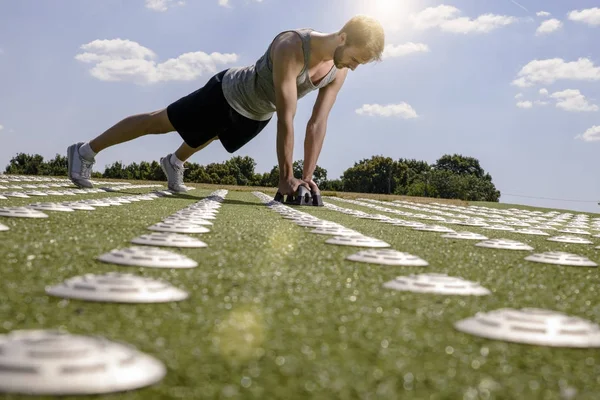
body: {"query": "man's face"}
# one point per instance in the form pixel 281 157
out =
pixel 348 57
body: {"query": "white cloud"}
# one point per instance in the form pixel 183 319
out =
pixel 1 127
pixel 446 18
pixel 402 110
pixel 163 5
pixel 568 100
pixel 125 60
pixel 548 26
pixel 518 95
pixel 404 49
pixel 591 135
pixel 542 13
pixel 524 104
pixel 590 16
pixel 550 70
pixel 433 16
pixel 573 100
pixel 226 3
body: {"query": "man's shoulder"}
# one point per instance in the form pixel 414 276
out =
pixel 287 43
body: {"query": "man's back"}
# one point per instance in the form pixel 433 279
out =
pixel 250 90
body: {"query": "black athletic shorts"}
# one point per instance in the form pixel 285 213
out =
pixel 205 113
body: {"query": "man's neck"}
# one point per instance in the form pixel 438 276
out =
pixel 323 46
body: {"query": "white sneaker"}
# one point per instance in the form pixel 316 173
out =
pixel 174 175
pixel 80 169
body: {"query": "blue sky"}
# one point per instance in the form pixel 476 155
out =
pixel 487 79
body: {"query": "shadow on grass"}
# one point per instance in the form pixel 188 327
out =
pixel 230 201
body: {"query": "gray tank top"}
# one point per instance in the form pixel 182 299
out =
pixel 250 90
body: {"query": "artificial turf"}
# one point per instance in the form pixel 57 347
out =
pixel 275 312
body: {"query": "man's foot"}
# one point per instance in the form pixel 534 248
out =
pixel 174 175
pixel 80 169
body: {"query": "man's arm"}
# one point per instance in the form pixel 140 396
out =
pixel 317 124
pixel 288 61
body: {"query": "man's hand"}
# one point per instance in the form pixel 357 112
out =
pixel 313 186
pixel 290 185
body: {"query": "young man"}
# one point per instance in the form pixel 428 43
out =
pixel 237 103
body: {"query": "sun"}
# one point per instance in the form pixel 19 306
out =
pixel 393 14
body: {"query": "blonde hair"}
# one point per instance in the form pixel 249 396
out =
pixel 366 32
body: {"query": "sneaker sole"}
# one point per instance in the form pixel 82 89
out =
pixel 70 154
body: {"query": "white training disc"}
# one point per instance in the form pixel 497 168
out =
pixel 3 228
pixel 434 218
pixel 334 230
pixel 78 205
pixel 121 200
pixel 178 227
pixel 151 257
pixel 377 217
pixel 21 212
pixel 532 326
pixel 201 215
pixel 464 235
pixel 529 231
pixel 299 217
pixel 561 258
pixel 117 287
pixel 357 240
pixel 168 240
pixel 50 207
pixel 54 193
pixel 38 362
pixel 409 224
pixel 580 225
pixel 517 223
pixel 131 199
pixel 317 224
pixel 436 283
pixel 112 202
pixel 16 194
pixel 36 193
pixel 472 222
pixel 435 228
pixel 96 203
pixel 505 244
pixel 570 239
pixel 575 231
pixel 388 257
pixel 195 221
pixel 499 227
pixel 545 227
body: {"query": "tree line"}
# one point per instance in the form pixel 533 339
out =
pixel 451 177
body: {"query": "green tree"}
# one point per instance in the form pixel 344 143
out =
pixel 333 185
pixel 115 170
pixel 460 165
pixel 242 169
pixel 58 166
pixel 375 175
pixel 26 164
pixel 319 174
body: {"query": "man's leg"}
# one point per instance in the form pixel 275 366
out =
pixel 132 127
pixel 172 165
pixel 81 156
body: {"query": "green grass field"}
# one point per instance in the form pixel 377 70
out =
pixel 276 313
